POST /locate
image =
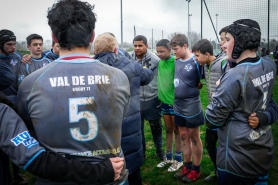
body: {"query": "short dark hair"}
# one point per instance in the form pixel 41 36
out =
pixel 223 30
pixel 203 46
pixel 140 38
pixel 164 42
pixel 32 37
pixel 179 39
pixel 72 23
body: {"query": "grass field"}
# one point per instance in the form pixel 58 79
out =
pixel 159 176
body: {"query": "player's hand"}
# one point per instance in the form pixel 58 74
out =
pixel 200 85
pixel 117 164
pixel 218 82
pixel 26 59
pixel 253 120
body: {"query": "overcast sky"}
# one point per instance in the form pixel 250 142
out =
pixel 25 17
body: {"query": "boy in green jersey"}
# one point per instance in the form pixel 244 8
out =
pixel 165 83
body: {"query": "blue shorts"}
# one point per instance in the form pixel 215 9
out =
pixel 190 122
pixel 167 109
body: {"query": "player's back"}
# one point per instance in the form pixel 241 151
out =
pixel 250 86
pixel 76 107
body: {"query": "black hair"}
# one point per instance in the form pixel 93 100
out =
pixel 140 38
pixel 179 39
pixel 203 46
pixel 32 37
pixel 223 30
pixel 164 42
pixel 72 23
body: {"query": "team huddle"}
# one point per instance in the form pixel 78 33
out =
pixel 70 118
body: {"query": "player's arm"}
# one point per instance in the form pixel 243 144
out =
pixel 223 102
pixel 201 76
pixel 146 75
pixel 27 153
pixel 26 59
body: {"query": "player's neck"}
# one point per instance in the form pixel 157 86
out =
pixel 36 56
pixel 79 50
pixel 187 55
pixel 246 54
pixel 211 59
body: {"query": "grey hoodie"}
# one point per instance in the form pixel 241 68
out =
pixel 149 60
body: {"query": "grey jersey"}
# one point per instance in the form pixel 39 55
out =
pixel 15 139
pixel 245 89
pixel 149 60
pixel 26 69
pixel 13 61
pixel 76 105
pixel 187 95
pixel 213 72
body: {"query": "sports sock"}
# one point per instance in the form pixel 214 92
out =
pixel 169 155
pixel 196 168
pixel 178 156
pixel 188 165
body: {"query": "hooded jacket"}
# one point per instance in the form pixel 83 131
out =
pixel 149 60
pixel 131 132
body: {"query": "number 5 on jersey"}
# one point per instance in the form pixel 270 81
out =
pixel 75 117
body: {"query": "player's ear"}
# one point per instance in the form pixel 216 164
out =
pixel 54 38
pixel 92 37
pixel 116 51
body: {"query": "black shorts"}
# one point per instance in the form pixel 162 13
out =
pixel 191 121
pixel 150 110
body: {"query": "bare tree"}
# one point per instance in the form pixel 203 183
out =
pixel 171 35
pixel 193 37
pixel 47 44
pixel 127 45
pixel 21 45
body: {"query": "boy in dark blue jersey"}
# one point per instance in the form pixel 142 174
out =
pixel 244 89
pixel 12 59
pixel 75 105
pixel 39 60
pixel 187 107
pixel 53 53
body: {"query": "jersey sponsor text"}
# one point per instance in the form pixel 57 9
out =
pixel 25 139
pixel 79 80
pixel 263 79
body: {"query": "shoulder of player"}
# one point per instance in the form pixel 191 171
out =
pixel 17 55
pixel 268 60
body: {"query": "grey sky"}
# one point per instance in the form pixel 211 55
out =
pixel 25 17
